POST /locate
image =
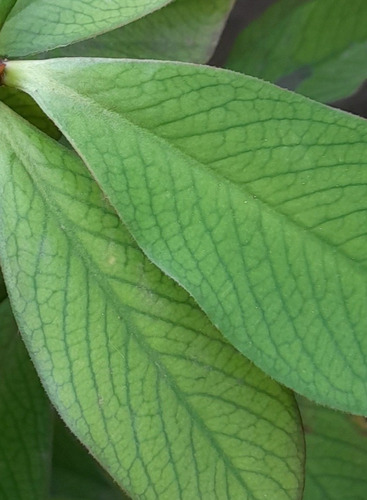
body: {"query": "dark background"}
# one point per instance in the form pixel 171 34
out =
pixel 246 11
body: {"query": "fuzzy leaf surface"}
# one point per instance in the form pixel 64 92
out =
pixel 316 47
pixel 251 197
pixel 34 26
pixel 336 461
pixel 135 369
pixel 25 417
pixel 184 30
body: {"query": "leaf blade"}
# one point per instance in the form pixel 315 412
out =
pixel 279 270
pixel 142 393
pixel 300 46
pixel 184 30
pixel 37 25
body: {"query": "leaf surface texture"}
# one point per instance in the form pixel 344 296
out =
pixel 34 26
pixel 133 366
pixel 249 196
pixel 184 30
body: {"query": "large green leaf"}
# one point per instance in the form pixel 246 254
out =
pixel 25 106
pixel 185 30
pixel 251 197
pixel 134 367
pixel 336 461
pixel 75 474
pixel 36 25
pixel 25 419
pixel 316 47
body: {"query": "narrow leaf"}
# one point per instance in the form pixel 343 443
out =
pixel 185 30
pixel 38 25
pixel 336 454
pixel 133 366
pixel 25 419
pixel 251 197
pixel 75 473
pixel 316 47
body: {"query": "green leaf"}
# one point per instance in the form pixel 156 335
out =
pixel 26 107
pixel 316 47
pixel 135 369
pixel 5 8
pixel 251 197
pixel 38 25
pixel 25 419
pixel 185 30
pixel 336 454
pixel 75 474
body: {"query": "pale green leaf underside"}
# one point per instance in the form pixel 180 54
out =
pixel 185 30
pixel 251 197
pixel 37 25
pixel 336 461
pixel 316 47
pixel 75 474
pixel 133 366
pixel 25 419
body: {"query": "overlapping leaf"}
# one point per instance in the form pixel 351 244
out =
pixel 252 198
pixel 336 454
pixel 25 417
pixel 317 47
pixel 37 25
pixel 185 30
pixel 134 367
